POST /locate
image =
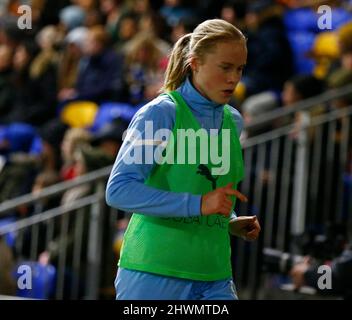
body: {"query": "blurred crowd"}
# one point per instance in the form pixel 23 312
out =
pixel 61 80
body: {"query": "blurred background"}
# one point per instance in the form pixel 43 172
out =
pixel 69 87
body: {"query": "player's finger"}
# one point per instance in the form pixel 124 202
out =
pixel 253 234
pixel 240 196
pixel 236 193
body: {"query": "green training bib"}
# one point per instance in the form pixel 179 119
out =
pixel 196 248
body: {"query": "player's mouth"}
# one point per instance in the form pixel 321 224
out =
pixel 228 92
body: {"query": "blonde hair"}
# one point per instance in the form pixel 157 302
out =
pixel 147 41
pixel 75 138
pixel 99 34
pixel 196 44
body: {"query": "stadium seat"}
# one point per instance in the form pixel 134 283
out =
pixel 79 114
pixel 340 16
pixel 324 51
pixel 326 45
pixel 301 43
pixel 10 238
pixel 302 19
pixel 109 111
pixel 305 19
pixel 36 146
pixel 19 137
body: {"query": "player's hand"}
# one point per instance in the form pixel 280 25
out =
pixel 218 202
pixel 297 272
pixel 246 227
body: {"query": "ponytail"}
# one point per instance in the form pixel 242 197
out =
pixel 178 66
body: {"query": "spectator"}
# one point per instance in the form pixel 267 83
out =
pixel 52 134
pixel 269 62
pixel 253 107
pixel 184 26
pixel 306 273
pixel 43 75
pixel 74 138
pixel 126 29
pixel 6 93
pixel 109 137
pixel 99 75
pixel 112 9
pixel 339 79
pixel 71 17
pixel 298 88
pixel 174 10
pixel 233 12
pixel 144 69
pixel 70 57
pixel 22 163
pixel 7 283
pixel 87 159
pixel 155 24
pixel 27 105
pixel 345 45
pixel 93 18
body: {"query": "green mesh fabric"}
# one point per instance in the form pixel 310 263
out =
pixel 196 248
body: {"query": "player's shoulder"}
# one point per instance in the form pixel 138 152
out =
pixel 235 113
pixel 161 106
pixel 237 117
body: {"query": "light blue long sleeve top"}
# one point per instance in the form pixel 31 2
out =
pixel 126 189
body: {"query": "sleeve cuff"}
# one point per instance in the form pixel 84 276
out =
pixel 194 208
pixel 233 215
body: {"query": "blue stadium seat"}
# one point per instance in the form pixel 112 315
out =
pixel 306 19
pixel 302 19
pixel 301 42
pixel 109 111
pixel 340 17
pixel 20 136
pixel 36 146
pixel 2 132
pixel 10 238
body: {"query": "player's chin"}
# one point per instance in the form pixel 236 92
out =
pixel 220 97
pixel 222 100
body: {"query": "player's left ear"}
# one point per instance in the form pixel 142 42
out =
pixel 194 63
